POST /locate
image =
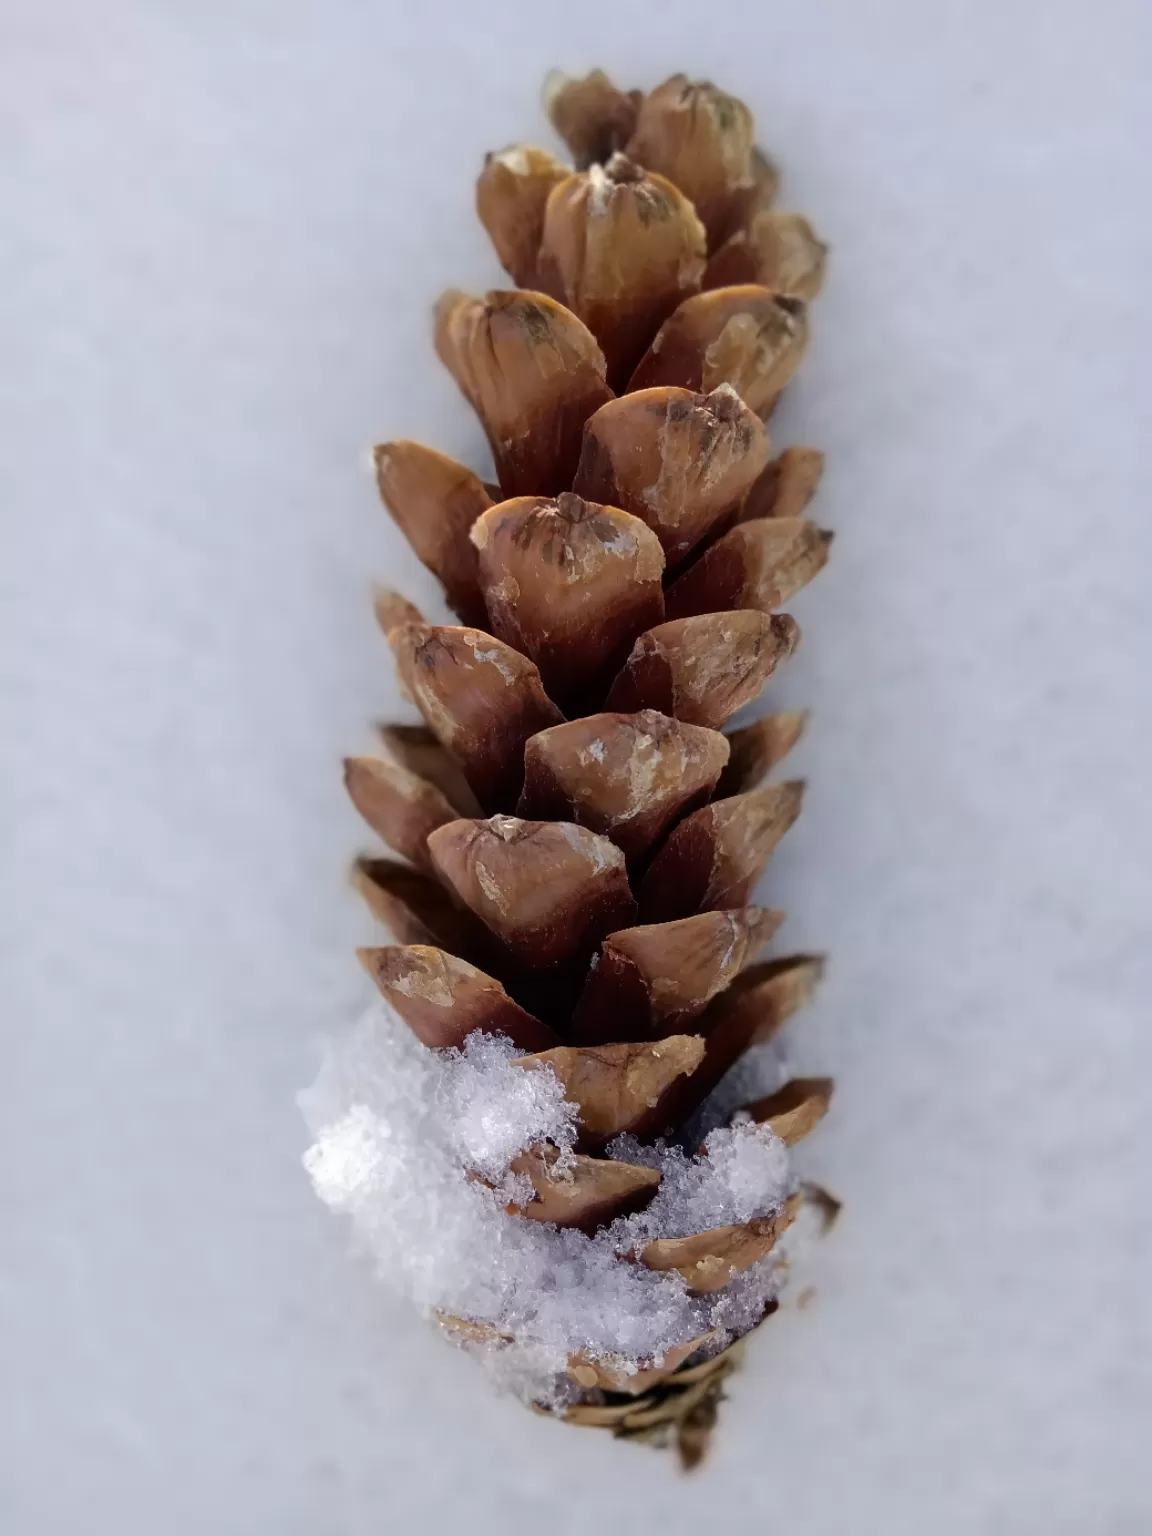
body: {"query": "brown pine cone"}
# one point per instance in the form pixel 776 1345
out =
pixel 580 839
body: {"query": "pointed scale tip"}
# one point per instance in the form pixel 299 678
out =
pixel 586 1192
pixel 592 117
pixel 443 998
pixel 744 336
pixel 398 805
pixel 785 486
pixel 416 909
pixel 627 776
pixel 511 196
pixel 778 251
pixel 533 372
pixel 481 698
pixel 795 1109
pixel 392 610
pixel 755 750
pixel 701 139
pixel 434 501
pixel 715 856
pixel 681 461
pixel 757 564
pixel 550 891
pixel 570 584
pixel 616 1087
pixel 709 1260
pixel 652 980
pixel 704 668
pixel 621 247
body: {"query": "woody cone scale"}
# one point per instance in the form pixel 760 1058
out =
pixel 578 839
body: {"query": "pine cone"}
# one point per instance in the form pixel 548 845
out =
pixel 580 839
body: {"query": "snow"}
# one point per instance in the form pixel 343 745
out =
pixel 401 1133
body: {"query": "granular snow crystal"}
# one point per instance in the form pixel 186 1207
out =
pixel 415 1146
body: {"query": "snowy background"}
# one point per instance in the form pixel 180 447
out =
pixel 223 225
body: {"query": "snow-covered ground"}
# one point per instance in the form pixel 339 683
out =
pixel 223 227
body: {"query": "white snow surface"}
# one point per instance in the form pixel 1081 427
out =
pixel 224 225
pixel 401 1129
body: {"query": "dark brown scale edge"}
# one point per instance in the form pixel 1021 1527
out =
pixel 609 502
